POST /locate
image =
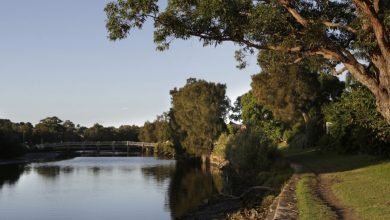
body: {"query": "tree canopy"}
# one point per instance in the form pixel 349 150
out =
pixel 353 34
pixel 199 109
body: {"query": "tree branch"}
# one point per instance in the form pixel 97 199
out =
pixel 340 26
pixel 301 20
pixel 378 27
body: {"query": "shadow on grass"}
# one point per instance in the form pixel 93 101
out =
pixel 327 162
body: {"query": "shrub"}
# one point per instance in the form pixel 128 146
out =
pixel 251 151
pixel 356 124
pixel 166 147
pixel 220 146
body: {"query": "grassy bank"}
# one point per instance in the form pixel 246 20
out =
pixel 360 182
pixel 310 205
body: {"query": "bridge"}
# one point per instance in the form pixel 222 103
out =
pixel 98 146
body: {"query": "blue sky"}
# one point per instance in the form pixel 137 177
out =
pixel 55 59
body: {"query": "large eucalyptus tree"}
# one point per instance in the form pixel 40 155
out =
pixel 350 34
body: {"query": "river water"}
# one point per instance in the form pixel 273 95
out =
pixel 104 188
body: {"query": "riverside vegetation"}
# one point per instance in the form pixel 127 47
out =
pixel 297 110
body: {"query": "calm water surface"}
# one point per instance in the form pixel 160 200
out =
pixel 104 188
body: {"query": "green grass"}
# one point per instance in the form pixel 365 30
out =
pixel 366 190
pixel 309 205
pixel 361 182
pixel 327 162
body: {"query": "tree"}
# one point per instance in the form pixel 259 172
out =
pixel 49 130
pixel 10 140
pixel 352 33
pixel 98 133
pixel 199 109
pixel 288 92
pixel 257 117
pixel 147 132
pixel 25 131
pixel 356 126
pixel 128 133
pixel 70 132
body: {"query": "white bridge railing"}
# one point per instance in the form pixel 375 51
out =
pixel 95 143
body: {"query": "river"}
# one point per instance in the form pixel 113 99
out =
pixel 104 188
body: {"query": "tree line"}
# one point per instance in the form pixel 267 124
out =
pixel 15 136
pixel 295 106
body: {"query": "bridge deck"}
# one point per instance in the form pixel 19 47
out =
pixel 96 144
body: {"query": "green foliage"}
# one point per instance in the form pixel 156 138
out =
pixel 99 133
pixel 321 34
pixel 49 130
pixel 356 125
pixel 148 133
pixel 251 151
pixel 220 146
pixel 257 117
pixel 158 131
pixel 166 147
pixel 127 133
pixel 198 110
pixel 288 92
pixel 10 141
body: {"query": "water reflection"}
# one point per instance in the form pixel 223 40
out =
pixel 135 188
pixel 158 173
pixel 49 172
pixel 190 186
pixel 10 174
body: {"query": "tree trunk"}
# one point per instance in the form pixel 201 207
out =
pixel 382 93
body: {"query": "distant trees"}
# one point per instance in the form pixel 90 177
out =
pixel 49 130
pixel 199 109
pixel 10 140
pixel 148 132
pixel 14 136
pixel 127 133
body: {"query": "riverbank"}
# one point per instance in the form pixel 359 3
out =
pixel 33 157
pixel 250 196
pixel 335 186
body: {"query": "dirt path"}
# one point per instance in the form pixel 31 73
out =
pixel 285 205
pixel 324 189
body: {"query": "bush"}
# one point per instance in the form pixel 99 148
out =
pixel 166 147
pixel 251 151
pixel 220 146
pixel 356 124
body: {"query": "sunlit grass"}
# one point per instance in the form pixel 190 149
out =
pixel 366 190
pixel 360 182
pixel 309 205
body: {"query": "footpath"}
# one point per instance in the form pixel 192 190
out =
pixel 285 205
